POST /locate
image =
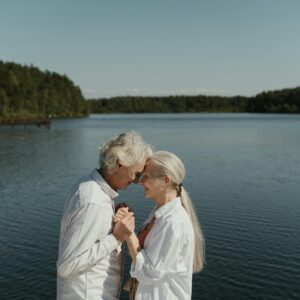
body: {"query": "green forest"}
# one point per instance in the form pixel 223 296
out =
pixel 282 101
pixel 29 93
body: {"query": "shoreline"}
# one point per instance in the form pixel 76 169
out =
pixel 22 121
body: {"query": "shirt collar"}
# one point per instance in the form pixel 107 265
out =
pixel 104 185
pixel 168 208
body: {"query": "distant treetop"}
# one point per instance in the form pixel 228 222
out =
pixel 283 101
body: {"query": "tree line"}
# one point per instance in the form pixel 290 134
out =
pixel 27 92
pixel 281 101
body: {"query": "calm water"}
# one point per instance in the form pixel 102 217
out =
pixel 243 176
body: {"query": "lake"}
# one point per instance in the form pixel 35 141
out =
pixel 243 175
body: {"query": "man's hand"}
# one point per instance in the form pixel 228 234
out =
pixel 124 227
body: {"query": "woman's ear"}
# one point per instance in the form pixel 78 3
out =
pixel 167 180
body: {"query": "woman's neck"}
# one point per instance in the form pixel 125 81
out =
pixel 165 198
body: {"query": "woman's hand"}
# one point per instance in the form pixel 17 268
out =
pixel 124 221
pixel 121 213
pixel 122 209
pixel 124 228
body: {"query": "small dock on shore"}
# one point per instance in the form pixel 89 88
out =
pixel 26 122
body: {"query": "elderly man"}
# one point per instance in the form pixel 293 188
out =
pixel 90 261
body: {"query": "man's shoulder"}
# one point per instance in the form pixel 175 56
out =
pixel 90 191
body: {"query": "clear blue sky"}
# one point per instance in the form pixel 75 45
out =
pixel 157 47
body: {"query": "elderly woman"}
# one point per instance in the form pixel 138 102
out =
pixel 170 246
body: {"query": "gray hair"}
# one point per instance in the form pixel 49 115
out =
pixel 127 148
pixel 168 164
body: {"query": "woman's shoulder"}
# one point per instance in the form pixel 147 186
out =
pixel 177 222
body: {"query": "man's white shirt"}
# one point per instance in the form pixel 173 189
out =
pixel 90 260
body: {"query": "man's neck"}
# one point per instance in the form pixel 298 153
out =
pixel 106 176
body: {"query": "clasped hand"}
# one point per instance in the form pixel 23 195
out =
pixel 124 224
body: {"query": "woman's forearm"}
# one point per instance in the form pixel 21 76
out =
pixel 133 247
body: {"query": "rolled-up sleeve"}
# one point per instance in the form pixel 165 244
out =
pixel 159 257
pixel 84 243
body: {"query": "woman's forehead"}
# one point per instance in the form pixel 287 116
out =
pixel 150 166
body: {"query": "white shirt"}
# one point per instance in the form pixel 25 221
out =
pixel 89 264
pixel 164 267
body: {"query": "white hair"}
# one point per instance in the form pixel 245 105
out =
pixel 127 148
pixel 168 164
